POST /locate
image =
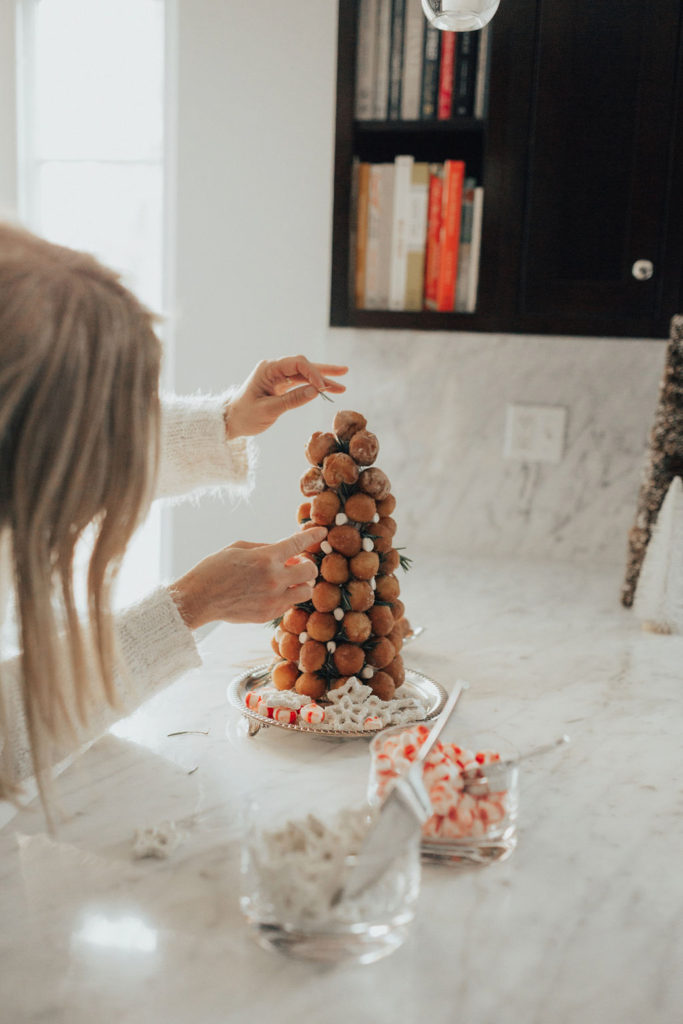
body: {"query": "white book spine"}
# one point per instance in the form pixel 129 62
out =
pixel 366 59
pixel 381 99
pixel 386 197
pixel 475 249
pixel 403 166
pixel 372 256
pixel 412 61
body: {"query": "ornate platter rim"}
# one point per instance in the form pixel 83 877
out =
pixel 240 685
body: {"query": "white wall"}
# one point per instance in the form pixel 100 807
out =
pixel 8 159
pixel 256 138
pixel 255 151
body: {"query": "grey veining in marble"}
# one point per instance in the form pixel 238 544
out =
pixel 581 926
pixel 437 403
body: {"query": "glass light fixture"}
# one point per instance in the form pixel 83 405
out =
pixel 459 15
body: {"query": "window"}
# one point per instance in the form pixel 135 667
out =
pixel 92 159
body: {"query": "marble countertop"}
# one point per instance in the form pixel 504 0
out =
pixel 584 923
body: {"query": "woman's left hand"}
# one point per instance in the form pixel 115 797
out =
pixel 274 387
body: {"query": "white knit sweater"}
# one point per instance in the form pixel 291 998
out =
pixel 155 643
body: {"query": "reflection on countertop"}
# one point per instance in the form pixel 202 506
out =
pixel 583 923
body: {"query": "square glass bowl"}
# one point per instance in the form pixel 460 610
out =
pixel 472 781
pixel 293 869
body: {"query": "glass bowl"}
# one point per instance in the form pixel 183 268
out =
pixel 292 872
pixel 472 780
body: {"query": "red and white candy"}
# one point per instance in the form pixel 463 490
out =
pixel 312 714
pixel 461 806
pixel 372 722
pixel 253 700
pixel 286 716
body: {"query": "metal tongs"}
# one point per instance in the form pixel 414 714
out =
pixel 400 817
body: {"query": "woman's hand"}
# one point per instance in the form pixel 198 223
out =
pixel 276 387
pixel 248 582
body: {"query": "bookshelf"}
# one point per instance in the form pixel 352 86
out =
pixel 581 159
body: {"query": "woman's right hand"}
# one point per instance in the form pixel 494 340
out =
pixel 248 582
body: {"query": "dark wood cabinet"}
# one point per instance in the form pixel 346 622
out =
pixel 581 159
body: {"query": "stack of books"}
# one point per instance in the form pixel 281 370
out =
pixel 406 70
pixel 416 236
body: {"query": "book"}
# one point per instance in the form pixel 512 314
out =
pixel 403 169
pixel 430 72
pixel 353 229
pixel 449 238
pixel 462 280
pixel 361 234
pixel 396 58
pixel 475 249
pixel 465 75
pixel 413 36
pixel 366 53
pixel 444 103
pixel 378 250
pixel 434 208
pixel 481 86
pixel 416 235
pixel 381 105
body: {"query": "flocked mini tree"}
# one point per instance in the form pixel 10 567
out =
pixel 355 623
pixel 665 459
pixel 659 595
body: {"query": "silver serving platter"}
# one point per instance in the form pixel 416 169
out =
pixel 416 685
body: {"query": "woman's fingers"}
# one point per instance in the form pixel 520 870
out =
pixel 298 542
pixel 304 571
pixel 299 369
pixel 296 595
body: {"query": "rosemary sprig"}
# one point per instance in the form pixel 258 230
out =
pixel 274 623
pixel 405 562
pixel 306 605
pixel 342 446
pixel 345 600
pixel 325 396
pixel 329 669
pixel 345 491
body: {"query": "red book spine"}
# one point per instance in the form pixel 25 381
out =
pixel 444 103
pixel 454 177
pixel 434 204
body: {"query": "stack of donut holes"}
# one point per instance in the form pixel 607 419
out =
pixel 357 624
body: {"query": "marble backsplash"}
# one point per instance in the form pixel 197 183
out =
pixel 438 404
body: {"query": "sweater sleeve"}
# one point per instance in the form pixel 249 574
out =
pixel 156 647
pixel 195 454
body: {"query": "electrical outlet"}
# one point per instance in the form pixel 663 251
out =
pixel 535 433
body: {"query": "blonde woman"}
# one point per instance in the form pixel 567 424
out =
pixel 86 443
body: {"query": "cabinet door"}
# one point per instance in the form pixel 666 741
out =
pixel 599 162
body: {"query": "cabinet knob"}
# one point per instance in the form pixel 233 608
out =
pixel 643 270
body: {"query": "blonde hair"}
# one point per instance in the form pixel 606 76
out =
pixel 79 416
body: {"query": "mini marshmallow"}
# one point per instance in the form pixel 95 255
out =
pixel 368 672
pixel 303 637
pixel 326 547
pixel 373 583
pixel 341 519
pixel 375 518
pixel 331 646
pixel 338 614
pixel 368 544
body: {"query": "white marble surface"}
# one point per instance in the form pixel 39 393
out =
pixel 583 925
pixel 438 402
